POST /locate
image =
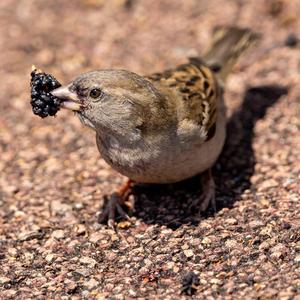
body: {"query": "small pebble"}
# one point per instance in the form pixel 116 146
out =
pixel 188 253
pixel 88 261
pixel 58 234
pixel 49 257
pixel 4 280
pixel 297 258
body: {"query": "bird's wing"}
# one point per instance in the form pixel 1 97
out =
pixel 197 94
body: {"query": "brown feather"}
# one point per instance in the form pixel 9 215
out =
pixel 195 86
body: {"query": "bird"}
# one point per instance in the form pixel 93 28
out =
pixel 164 127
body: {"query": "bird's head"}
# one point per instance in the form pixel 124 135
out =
pixel 112 101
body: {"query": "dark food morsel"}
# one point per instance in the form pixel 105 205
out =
pixel 291 40
pixel 189 282
pixel 43 103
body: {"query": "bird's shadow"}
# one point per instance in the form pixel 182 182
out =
pixel 169 204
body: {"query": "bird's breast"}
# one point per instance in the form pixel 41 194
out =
pixel 162 159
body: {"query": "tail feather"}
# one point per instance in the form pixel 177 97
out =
pixel 228 44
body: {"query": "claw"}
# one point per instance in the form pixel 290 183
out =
pixel 114 204
pixel 208 196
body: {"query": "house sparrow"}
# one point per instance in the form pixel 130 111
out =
pixel 161 128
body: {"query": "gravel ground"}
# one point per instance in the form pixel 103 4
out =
pixel 53 180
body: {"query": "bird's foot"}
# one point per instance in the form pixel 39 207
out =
pixel 208 196
pixel 114 206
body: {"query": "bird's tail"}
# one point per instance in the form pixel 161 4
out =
pixel 228 44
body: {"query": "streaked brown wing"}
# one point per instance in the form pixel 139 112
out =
pixel 197 89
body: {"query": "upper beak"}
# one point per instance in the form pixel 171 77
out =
pixel 69 99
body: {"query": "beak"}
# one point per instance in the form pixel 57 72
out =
pixel 69 100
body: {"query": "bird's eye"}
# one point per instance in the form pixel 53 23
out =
pixel 95 93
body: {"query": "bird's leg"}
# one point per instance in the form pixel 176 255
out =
pixel 208 191
pixel 114 204
pixel 208 194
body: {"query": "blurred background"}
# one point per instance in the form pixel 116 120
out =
pixel 51 175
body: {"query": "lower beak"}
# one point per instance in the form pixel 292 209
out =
pixel 69 100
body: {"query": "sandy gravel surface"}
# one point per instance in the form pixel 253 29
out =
pixel 52 178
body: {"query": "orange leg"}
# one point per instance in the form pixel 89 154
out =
pixel 125 190
pixel 114 204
